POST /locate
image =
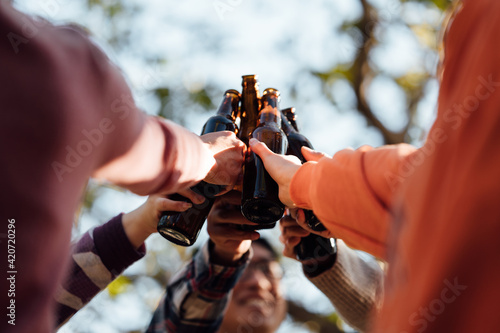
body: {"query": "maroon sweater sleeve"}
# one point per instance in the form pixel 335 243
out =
pixel 98 257
pixel 67 114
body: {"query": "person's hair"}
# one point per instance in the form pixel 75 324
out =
pixel 264 243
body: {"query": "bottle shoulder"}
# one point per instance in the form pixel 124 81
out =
pixel 218 123
pixel 298 139
pixel 269 126
pixel 220 118
pixel 267 130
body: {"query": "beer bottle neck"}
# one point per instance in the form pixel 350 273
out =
pixel 289 114
pixel 270 114
pixel 250 87
pixel 229 105
pixel 250 105
pixel 250 93
pixel 286 126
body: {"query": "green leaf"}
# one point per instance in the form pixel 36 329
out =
pixel 162 93
pixel 118 286
pixel 202 98
pixel 441 4
pixel 412 80
pixel 340 71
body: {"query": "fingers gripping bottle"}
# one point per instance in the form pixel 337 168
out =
pixel 183 228
pixel 312 246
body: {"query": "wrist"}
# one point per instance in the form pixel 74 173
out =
pixel 222 256
pixel 133 228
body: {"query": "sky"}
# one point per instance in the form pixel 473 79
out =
pixel 215 43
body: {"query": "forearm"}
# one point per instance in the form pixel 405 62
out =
pixel 96 260
pixel 164 159
pixel 145 154
pixel 351 193
pixel 353 285
pixel 136 231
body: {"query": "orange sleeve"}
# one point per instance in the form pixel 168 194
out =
pixel 351 193
pixel 445 248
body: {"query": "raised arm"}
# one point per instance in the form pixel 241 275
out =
pixel 197 296
pixel 103 253
pixel 353 284
pixel 351 192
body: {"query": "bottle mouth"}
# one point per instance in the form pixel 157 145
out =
pixel 250 227
pixel 233 92
pixel 273 91
pixel 262 211
pixel 175 237
pixel 250 76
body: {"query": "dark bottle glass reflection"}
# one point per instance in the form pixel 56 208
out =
pixel 183 228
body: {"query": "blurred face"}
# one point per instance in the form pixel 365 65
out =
pixel 257 304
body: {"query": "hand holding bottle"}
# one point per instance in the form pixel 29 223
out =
pixel 291 235
pixel 141 222
pixel 283 167
pixel 228 152
pixel 301 220
pixel 280 167
pixel 230 242
pixel 260 198
pixel 325 251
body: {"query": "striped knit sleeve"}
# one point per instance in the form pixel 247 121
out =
pixel 354 286
pixel 197 296
pixel 97 258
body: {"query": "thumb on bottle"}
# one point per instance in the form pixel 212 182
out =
pixel 172 205
pixel 312 155
pixel 259 148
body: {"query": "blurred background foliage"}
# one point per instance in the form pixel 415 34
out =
pixel 359 72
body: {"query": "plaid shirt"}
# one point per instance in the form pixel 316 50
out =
pixel 197 296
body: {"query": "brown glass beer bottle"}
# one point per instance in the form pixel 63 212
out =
pixel 250 107
pixel 183 228
pixel 249 115
pixel 260 202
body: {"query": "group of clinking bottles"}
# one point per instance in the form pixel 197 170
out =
pixel 259 118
